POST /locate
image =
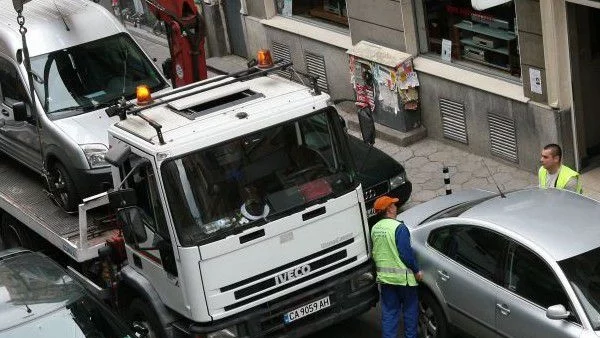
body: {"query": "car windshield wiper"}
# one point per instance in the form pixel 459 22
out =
pixel 77 108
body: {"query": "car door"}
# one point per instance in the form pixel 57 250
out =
pixel 530 288
pixel 469 274
pixel 19 139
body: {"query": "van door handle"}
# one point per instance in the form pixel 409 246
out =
pixel 5 113
pixel 503 309
pixel 443 275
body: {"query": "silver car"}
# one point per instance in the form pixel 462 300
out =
pixel 524 264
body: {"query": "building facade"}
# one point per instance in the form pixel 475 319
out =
pixel 498 78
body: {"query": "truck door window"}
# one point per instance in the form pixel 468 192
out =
pixel 255 178
pixel 144 183
pixel 10 84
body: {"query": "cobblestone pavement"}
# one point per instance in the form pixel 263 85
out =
pixel 425 160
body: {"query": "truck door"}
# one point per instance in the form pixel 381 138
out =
pixel 153 257
pixel 19 139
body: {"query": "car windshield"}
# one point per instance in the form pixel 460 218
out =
pixel 583 273
pixel 256 178
pixel 36 293
pixel 92 75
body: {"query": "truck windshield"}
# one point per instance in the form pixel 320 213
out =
pixel 253 179
pixel 93 75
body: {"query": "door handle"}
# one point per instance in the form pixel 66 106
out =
pixel 443 275
pixel 5 113
pixel 503 309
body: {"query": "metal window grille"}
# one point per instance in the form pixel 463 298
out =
pixel 503 137
pixel 315 65
pixel 282 52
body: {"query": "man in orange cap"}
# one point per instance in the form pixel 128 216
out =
pixel 397 270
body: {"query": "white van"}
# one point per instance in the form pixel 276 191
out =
pixel 82 61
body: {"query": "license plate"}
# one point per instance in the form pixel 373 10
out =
pixel 306 310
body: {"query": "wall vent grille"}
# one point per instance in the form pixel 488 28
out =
pixel 503 137
pixel 454 126
pixel 282 52
pixel 315 65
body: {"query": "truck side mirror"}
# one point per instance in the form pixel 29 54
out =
pixel 19 111
pixel 134 229
pixel 367 125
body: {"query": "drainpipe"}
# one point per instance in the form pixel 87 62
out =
pixel 225 27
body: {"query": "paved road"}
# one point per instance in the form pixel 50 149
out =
pixel 423 162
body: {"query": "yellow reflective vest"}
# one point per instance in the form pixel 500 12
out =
pixel 564 175
pixel 390 268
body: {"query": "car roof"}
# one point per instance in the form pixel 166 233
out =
pixel 32 285
pixel 46 30
pixel 561 222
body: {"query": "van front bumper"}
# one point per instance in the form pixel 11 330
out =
pixel 90 182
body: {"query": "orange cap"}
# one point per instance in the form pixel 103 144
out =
pixel 383 202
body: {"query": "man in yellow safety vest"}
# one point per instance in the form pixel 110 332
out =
pixel 553 173
pixel 397 270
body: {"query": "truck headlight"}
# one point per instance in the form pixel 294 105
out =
pixel 230 332
pixel 94 153
pixel 361 281
pixel 397 181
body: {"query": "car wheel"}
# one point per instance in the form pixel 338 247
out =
pixel 12 234
pixel 141 313
pixel 63 188
pixel 432 321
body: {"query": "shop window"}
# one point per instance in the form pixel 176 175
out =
pixel 477 33
pixel 318 11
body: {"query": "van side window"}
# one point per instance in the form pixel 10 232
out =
pixel 11 86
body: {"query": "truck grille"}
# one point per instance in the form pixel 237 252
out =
pixel 255 290
pixel 373 192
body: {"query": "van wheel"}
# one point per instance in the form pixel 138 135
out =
pixel 143 314
pixel 432 321
pixel 12 234
pixel 63 188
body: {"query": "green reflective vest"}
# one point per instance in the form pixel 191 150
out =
pixel 564 175
pixel 390 268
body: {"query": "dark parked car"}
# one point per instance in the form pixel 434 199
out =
pixel 379 174
pixel 39 299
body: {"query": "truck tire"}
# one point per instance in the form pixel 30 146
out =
pixel 63 187
pixel 12 234
pixel 142 313
pixel 432 321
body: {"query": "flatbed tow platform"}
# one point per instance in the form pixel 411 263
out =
pixel 23 196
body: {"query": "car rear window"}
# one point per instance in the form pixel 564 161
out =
pixel 456 210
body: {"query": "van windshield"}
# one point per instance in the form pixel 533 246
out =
pixel 256 178
pixel 93 75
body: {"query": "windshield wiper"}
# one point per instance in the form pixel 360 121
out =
pixel 77 108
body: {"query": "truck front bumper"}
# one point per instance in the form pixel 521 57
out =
pixel 348 298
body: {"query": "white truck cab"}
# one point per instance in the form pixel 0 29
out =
pixel 242 214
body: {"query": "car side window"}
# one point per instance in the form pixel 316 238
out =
pixel 531 278
pixel 10 84
pixel 479 250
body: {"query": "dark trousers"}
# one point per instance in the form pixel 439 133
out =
pixel 394 300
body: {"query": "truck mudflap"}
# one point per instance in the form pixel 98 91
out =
pixel 303 312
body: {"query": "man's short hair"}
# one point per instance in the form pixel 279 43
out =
pixel 554 149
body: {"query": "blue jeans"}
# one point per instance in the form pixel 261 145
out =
pixel 396 299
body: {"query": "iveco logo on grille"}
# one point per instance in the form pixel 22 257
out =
pixel 292 274
pixel 370 193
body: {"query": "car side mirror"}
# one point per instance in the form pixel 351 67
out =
pixel 18 4
pixel 19 111
pixel 134 229
pixel 557 312
pixel 367 125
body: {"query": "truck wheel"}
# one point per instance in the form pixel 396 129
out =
pixel 63 187
pixel 12 234
pixel 142 313
pixel 432 321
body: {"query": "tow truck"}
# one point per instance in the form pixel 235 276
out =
pixel 235 212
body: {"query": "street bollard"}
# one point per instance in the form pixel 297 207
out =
pixel 447 180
